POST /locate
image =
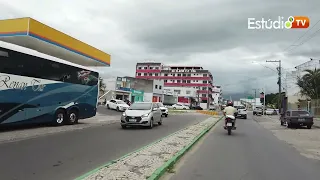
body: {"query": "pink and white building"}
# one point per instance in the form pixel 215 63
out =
pixel 181 79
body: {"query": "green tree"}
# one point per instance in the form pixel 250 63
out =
pixel 309 83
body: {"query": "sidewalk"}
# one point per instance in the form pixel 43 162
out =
pixel 316 120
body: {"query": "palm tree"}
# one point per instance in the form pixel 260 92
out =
pixel 309 83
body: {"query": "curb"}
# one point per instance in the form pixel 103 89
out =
pixel 207 112
pixel 140 149
pixel 160 171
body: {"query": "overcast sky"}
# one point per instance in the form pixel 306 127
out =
pixel 209 33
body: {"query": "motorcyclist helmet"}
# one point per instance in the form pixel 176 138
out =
pixel 230 103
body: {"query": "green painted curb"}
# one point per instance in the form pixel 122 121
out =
pixel 114 161
pixel 160 171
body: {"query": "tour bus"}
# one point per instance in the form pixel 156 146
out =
pixel 38 88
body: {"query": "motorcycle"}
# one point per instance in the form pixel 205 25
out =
pixel 230 124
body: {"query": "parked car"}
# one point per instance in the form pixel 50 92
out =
pixel 196 107
pixel 212 107
pixel 118 105
pixel 271 112
pixel 294 118
pixel 242 112
pixel 163 109
pixel 142 114
pixel 180 106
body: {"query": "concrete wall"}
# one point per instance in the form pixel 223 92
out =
pixel 141 84
pixel 158 86
pixel 182 91
pixel 110 83
pixel 147 97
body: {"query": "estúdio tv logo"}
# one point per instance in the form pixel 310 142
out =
pixel 293 22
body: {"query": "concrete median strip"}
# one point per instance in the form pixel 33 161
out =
pixel 151 161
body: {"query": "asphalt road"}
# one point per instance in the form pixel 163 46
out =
pixel 103 110
pixel 68 155
pixel 251 153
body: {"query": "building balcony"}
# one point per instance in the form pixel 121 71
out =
pixel 186 84
pixel 172 77
pixel 148 71
pixel 204 91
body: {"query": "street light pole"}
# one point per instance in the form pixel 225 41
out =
pixel 279 82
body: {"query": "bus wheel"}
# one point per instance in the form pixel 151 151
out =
pixel 59 117
pixel 73 116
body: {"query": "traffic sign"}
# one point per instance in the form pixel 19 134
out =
pixel 250 97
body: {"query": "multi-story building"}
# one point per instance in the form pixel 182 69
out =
pixel 217 95
pixel 180 77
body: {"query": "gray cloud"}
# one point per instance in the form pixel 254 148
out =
pixel 209 33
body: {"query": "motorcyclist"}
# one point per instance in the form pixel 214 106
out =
pixel 230 110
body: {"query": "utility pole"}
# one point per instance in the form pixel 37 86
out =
pixel 255 97
pixel 198 95
pixel 208 100
pixel 279 83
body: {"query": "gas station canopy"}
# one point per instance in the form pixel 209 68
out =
pixel 32 34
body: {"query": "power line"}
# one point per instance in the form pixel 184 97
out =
pixel 293 44
pixel 310 37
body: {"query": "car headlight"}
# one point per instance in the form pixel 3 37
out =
pixel 124 114
pixel 145 115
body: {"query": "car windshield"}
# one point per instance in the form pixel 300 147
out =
pixel 140 106
pixel 300 113
pixel 121 102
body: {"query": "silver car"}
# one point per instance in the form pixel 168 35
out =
pixel 142 114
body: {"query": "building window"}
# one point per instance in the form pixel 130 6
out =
pixel 156 86
pixel 157 67
pixel 139 74
pixel 188 81
pixel 145 68
pixel 204 82
pixel 179 74
pixel 165 81
pixel 156 74
pixel 204 88
pixel 177 91
pixel 160 87
pixel 150 67
pixel 150 74
pixel 204 95
pixel 166 74
pixel 205 75
pixel 173 74
pixel 184 75
pixel 194 74
pixel 189 75
pixel 145 74
pixel 139 67
pixel 184 81
pixel 188 92
pixel 178 81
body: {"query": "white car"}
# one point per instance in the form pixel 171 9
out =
pixel 163 109
pixel 118 105
pixel 242 112
pixel 271 112
pixel 142 114
pixel 180 106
